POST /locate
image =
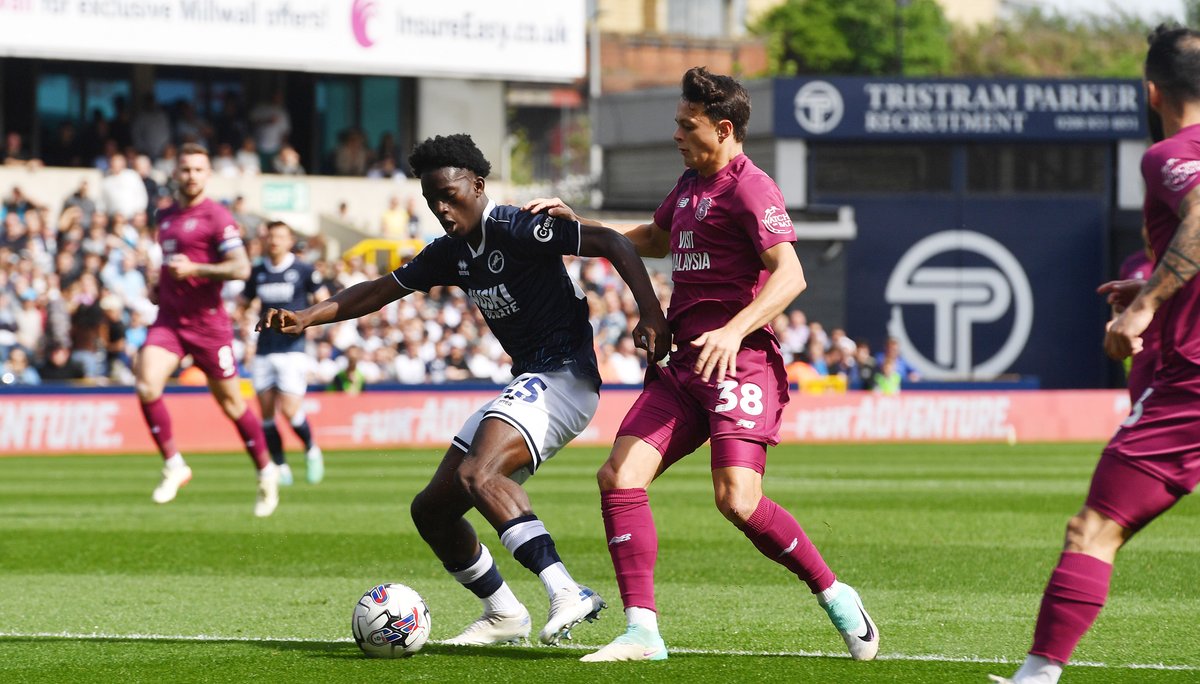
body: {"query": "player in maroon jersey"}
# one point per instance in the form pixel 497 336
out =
pixel 729 236
pixel 202 248
pixel 1154 458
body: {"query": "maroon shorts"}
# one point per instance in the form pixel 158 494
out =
pixel 677 411
pixel 1160 439
pixel 211 350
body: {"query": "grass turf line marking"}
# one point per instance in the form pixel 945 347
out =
pixel 929 657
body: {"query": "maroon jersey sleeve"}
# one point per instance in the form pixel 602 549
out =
pixel 228 235
pixel 663 215
pixel 762 212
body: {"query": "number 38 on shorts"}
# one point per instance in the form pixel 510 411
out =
pixel 746 396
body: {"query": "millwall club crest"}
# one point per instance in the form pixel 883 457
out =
pixel 702 208
pixel 496 262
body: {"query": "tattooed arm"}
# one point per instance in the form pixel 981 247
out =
pixel 1178 265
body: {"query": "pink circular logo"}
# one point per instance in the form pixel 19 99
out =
pixel 361 12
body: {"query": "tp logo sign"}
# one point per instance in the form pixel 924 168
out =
pixel 818 107
pixel 962 297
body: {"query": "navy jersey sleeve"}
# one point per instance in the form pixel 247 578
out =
pixel 312 280
pixel 428 269
pixel 251 289
pixel 543 234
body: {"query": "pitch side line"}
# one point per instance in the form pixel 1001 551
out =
pixel 928 657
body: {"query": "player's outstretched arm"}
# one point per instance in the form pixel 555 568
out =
pixel 1178 265
pixel 720 347
pixel 235 266
pixel 652 332
pixel 647 239
pixel 353 302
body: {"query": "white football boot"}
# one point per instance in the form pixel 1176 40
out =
pixel 637 643
pixel 495 628
pixel 847 614
pixel 267 499
pixel 315 465
pixel 173 479
pixel 567 609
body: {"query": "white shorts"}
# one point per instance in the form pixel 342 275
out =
pixel 285 371
pixel 548 409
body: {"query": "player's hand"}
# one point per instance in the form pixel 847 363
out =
pixel 281 320
pixel 718 354
pixel 653 334
pixel 552 206
pixel 1121 292
pixel 180 267
pixel 1124 335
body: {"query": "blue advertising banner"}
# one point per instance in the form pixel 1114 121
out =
pixel 869 108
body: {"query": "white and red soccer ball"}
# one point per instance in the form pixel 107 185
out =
pixel 390 621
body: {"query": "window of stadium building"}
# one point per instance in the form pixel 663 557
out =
pixel 849 169
pixel 1037 168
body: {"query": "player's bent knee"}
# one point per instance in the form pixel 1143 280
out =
pixel 1093 533
pixel 736 509
pixel 147 392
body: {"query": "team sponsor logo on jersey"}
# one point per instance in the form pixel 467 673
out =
pixel 777 221
pixel 495 302
pixel 544 232
pixel 462 267
pixel 495 261
pixel 690 261
pixel 1178 173
pixel 702 208
pixel 276 293
pixel 683 202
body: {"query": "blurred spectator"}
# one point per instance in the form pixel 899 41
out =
pixel 626 362
pixel 60 366
pixel 82 199
pixel 145 170
pixel 94 137
pixel 150 129
pixel 14 152
pixel 815 355
pixel 862 374
pixel 224 163
pixel 887 378
pixel 793 339
pixel 122 191
pixel 17 371
pixel 65 148
pixel 248 161
pixel 287 162
pixel 18 203
pixel 351 157
pixel 394 221
pixel 164 166
pixel 350 379
pixel 891 352
pixel 272 126
pixel 190 126
pixel 228 124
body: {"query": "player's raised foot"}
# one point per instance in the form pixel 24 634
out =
pixel 285 475
pixel 847 614
pixel 173 479
pixel 567 609
pixel 637 643
pixel 267 499
pixel 495 628
pixel 315 465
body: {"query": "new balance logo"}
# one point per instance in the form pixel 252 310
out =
pixel 619 538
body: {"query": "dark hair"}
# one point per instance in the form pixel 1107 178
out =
pixel 456 151
pixel 1173 62
pixel 279 224
pixel 192 148
pixel 721 96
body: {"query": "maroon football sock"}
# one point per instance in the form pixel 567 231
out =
pixel 632 543
pixel 1076 592
pixel 251 430
pixel 777 535
pixel 159 422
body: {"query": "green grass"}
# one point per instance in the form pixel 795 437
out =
pixel 949 545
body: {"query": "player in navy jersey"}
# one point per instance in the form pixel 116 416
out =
pixel 734 269
pixel 202 247
pixel 509 262
pixel 1154 458
pixel 283 281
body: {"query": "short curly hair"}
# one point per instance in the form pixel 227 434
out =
pixel 722 97
pixel 457 151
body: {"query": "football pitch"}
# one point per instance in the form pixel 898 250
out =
pixel 949 545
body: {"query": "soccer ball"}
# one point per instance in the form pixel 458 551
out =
pixel 390 621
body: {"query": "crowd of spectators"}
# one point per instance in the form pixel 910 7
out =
pixel 243 140
pixel 75 305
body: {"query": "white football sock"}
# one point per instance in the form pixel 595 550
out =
pixel 556 577
pixel 175 462
pixel 1038 670
pixel 642 617
pixel 827 596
